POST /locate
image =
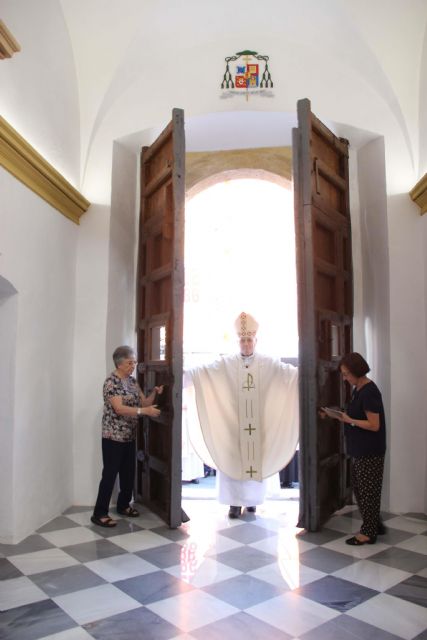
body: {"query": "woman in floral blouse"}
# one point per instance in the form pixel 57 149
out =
pixel 123 403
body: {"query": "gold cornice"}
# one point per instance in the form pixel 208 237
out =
pixel 419 194
pixel 23 162
pixel 8 44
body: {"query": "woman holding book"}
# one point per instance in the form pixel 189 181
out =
pixel 364 424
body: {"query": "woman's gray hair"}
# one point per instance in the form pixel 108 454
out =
pixel 123 353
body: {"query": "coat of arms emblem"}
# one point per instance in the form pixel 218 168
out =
pixel 243 74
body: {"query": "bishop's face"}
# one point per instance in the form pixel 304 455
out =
pixel 247 345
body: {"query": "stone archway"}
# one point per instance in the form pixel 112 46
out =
pixel 267 163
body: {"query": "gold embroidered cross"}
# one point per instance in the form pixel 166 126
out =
pixel 251 471
pixel 249 382
pixel 250 429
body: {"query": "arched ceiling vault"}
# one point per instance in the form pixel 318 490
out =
pixel 359 63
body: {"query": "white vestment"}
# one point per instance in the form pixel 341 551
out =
pixel 247 409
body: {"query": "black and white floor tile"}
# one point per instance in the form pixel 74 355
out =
pixel 257 577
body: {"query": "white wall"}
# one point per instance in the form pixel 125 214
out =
pixel 389 240
pixel 90 359
pixel 408 299
pixel 372 271
pixel 123 247
pixel 423 223
pixel 8 329
pixel 38 256
pixel 422 169
pixel 39 98
pixel 39 94
pixel 105 313
pixel 408 437
pixel 423 426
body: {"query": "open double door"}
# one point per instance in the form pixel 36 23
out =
pixel 325 298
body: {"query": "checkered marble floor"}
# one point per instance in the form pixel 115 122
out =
pixel 257 577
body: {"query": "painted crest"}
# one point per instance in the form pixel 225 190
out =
pixel 247 73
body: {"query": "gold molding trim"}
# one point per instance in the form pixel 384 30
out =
pixel 8 44
pixel 419 194
pixel 28 166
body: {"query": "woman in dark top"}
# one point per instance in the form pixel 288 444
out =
pixel 366 444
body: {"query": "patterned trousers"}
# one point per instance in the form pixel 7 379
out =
pixel 367 479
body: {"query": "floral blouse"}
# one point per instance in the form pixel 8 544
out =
pixel 115 427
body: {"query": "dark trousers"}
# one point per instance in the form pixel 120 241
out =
pixel 367 477
pixel 117 458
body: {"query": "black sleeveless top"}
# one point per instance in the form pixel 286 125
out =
pixel 361 442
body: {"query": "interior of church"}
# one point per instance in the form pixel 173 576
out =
pixel 85 86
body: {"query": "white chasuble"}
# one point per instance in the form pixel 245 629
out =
pixel 247 415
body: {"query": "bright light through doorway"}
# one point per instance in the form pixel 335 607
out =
pixel 240 256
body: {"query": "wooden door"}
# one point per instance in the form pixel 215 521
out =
pixel 160 297
pixel 325 309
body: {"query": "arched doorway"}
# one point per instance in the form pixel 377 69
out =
pixel 240 255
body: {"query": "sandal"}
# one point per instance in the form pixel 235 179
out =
pixel 355 542
pixel 104 521
pixel 129 512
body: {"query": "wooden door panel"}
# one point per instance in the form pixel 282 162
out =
pixel 325 302
pixel 324 240
pixel 160 297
